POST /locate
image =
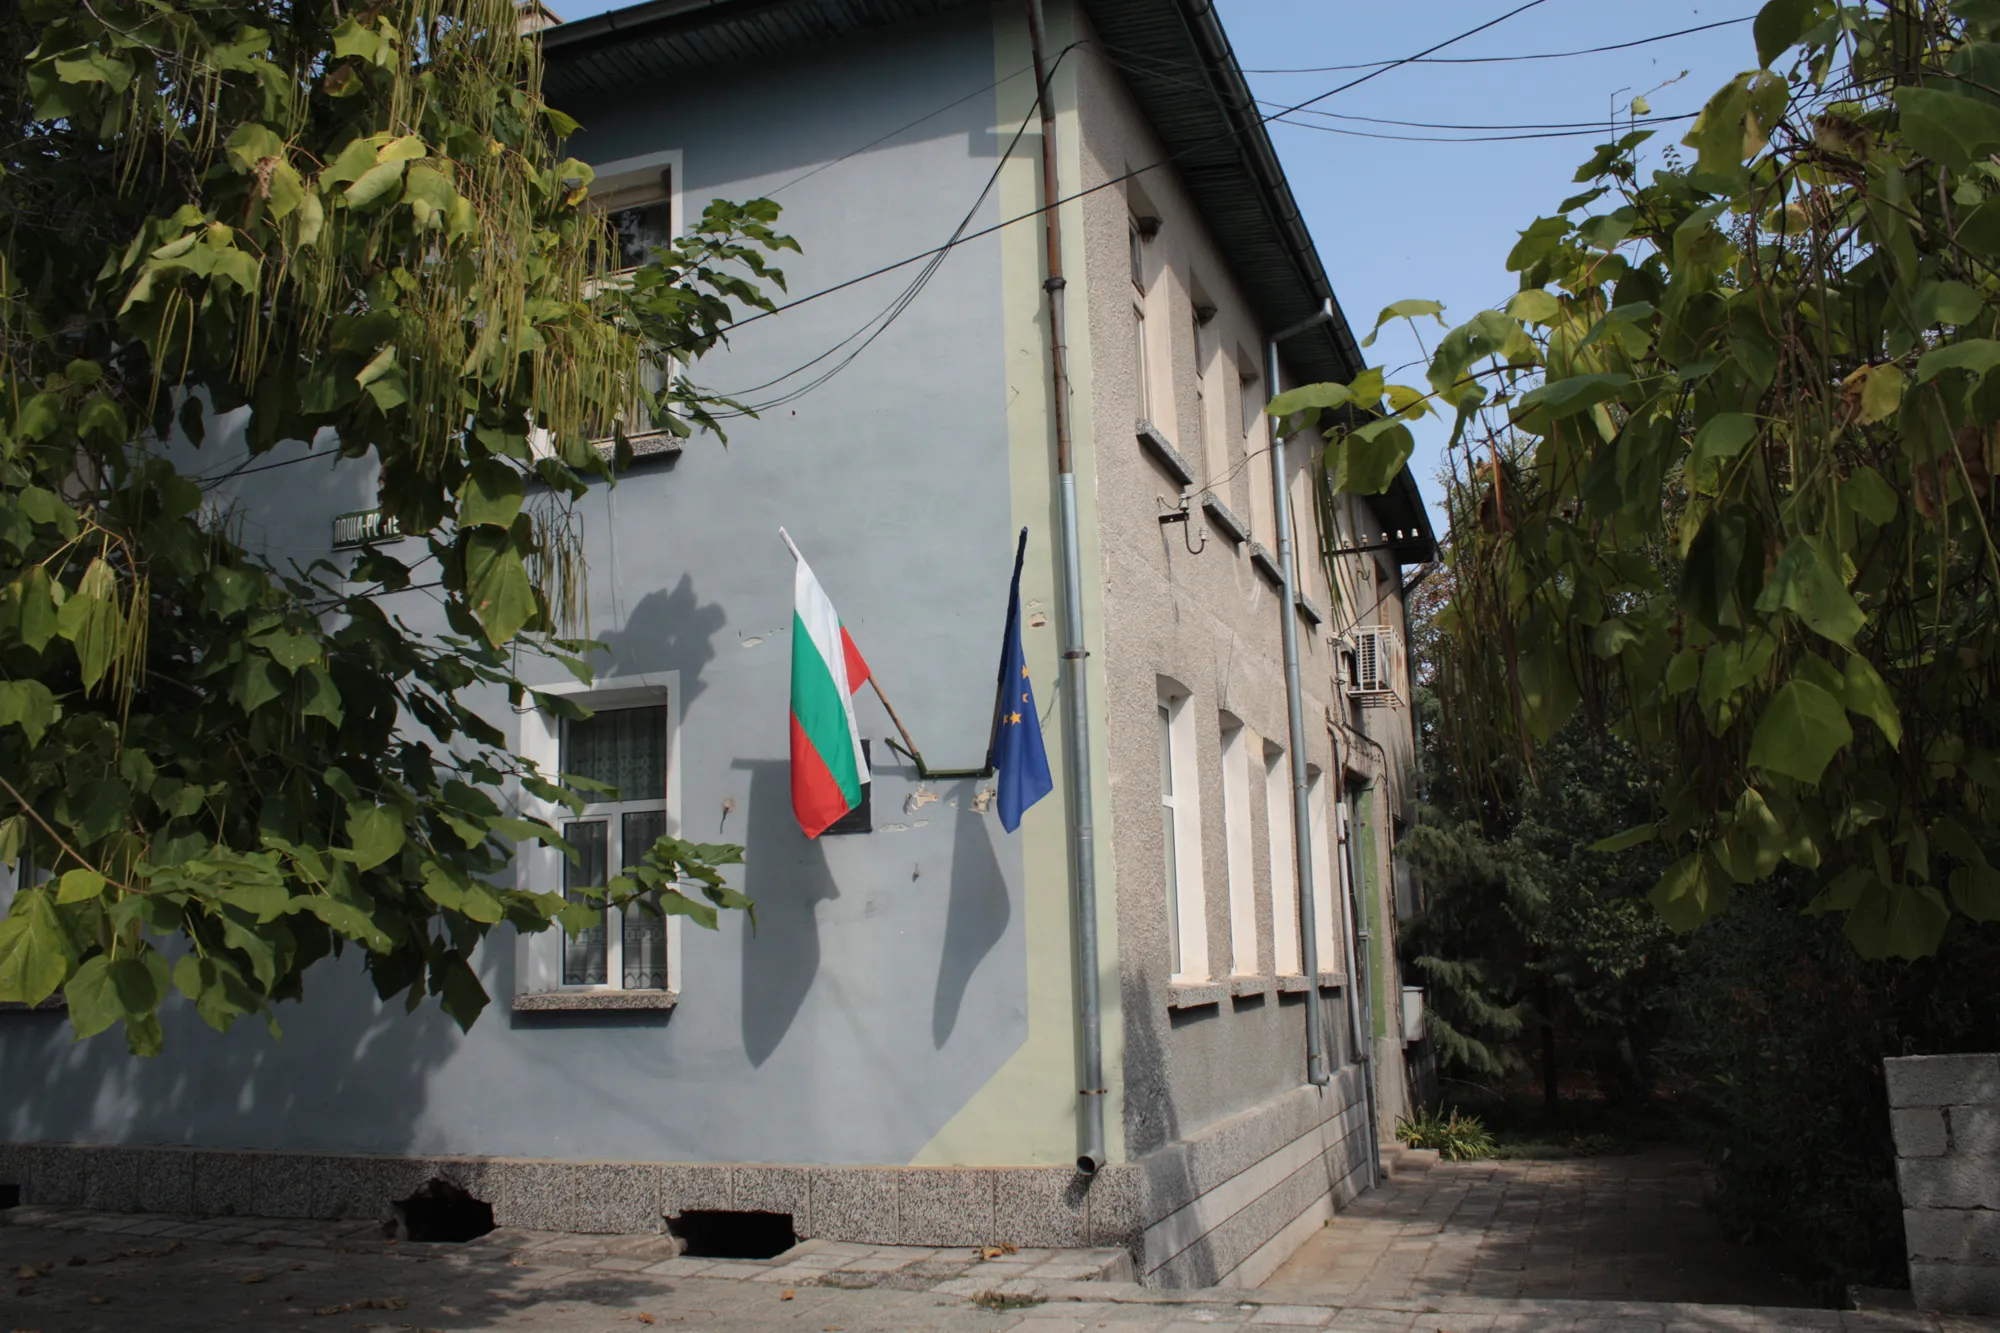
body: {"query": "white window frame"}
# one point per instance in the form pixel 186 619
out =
pixel 1142 352
pixel 1180 802
pixel 539 957
pixel 1326 938
pixel 1286 956
pixel 1237 740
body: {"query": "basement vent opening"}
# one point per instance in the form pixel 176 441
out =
pixel 732 1235
pixel 10 1196
pixel 440 1211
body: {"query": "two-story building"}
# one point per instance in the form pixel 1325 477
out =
pixel 901 1050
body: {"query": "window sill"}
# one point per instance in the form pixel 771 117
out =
pixel 1244 986
pixel 1267 565
pixel 1223 519
pixel 1195 994
pixel 1164 452
pixel 659 445
pixel 1309 609
pixel 583 1001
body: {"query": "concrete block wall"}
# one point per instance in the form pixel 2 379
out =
pixel 1945 1114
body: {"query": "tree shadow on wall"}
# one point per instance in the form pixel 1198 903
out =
pixel 667 631
pixel 786 875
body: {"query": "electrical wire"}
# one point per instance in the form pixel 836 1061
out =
pixel 1558 130
pixel 904 299
pixel 1234 132
pixel 1498 60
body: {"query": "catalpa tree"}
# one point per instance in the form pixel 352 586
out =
pixel 345 224
pixel 1728 474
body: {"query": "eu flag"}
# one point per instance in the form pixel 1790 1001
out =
pixel 1016 749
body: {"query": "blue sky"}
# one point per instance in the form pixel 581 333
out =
pixel 1400 218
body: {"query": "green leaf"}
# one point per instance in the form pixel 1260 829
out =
pixel 1881 393
pixel 1977 355
pixel 322 698
pixel 251 144
pixel 79 885
pixel 1721 437
pixel 376 833
pixel 1309 396
pixel 1690 892
pixel 90 620
pixel 1802 729
pixel 375 185
pixel 1534 306
pixel 290 650
pixel 1868 695
pixel 1779 25
pixel 497 585
pixel 1899 921
pixel 459 993
pixel 1953 129
pixel 1577 393
pixel 34 949
pixel 492 493
pixel 29 705
pixel 1367 461
pixel 1404 310
pixel 1804 583
pixel 1947 303
pixel 1864 491
pixel 1631 837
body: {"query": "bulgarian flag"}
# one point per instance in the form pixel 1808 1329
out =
pixel 828 768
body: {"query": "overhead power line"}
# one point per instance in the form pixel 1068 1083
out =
pixel 1501 60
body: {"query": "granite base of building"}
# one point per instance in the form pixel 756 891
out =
pixel 1945 1111
pixel 1025 1206
pixel 1226 1205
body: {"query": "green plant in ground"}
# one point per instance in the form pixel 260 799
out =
pixel 1456 1137
pixel 300 220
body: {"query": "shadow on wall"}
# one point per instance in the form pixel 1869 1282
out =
pixel 975 919
pixel 349 1073
pixel 787 877
pixel 667 631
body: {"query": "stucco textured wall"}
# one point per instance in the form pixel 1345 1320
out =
pixel 1209 622
pixel 886 981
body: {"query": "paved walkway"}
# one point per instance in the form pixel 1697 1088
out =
pixel 1602 1228
pixel 72 1271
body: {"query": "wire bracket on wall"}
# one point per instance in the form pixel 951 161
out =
pixel 1184 515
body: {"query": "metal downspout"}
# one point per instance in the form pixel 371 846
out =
pixel 1076 726
pixel 1316 1068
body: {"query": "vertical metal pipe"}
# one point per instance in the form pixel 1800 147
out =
pixel 1076 728
pixel 1360 1022
pixel 1316 1070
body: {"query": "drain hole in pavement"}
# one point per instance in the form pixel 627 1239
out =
pixel 729 1235
pixel 10 1196
pixel 440 1211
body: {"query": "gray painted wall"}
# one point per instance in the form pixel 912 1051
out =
pixel 887 979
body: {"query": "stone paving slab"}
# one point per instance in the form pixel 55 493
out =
pixel 74 1278
pixel 1603 1228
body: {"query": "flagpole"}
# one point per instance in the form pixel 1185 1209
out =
pixel 910 747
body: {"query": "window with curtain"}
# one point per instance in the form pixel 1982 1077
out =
pixel 625 749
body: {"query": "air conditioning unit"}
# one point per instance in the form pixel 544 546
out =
pixel 1376 672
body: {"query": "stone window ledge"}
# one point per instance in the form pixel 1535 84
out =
pixel 589 1001
pixel 1267 565
pixel 1195 994
pixel 1246 984
pixel 1223 518
pixel 1296 982
pixel 1163 451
